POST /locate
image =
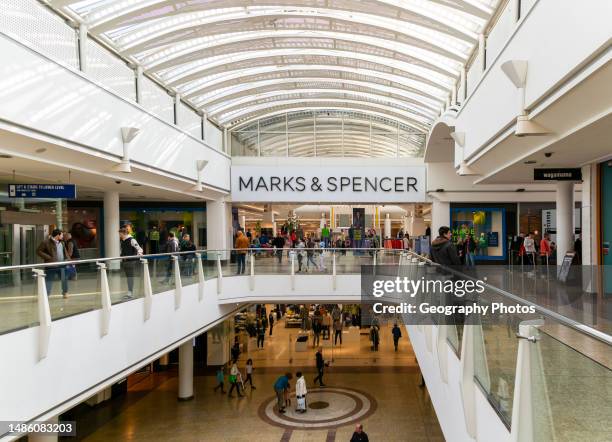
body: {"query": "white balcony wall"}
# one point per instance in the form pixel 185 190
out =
pixel 552 39
pixel 157 100
pixel 38 93
pixel 189 121
pixel 27 21
pixel 109 70
pixel 81 361
pixel 501 32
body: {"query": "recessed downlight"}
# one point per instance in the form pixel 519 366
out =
pixel 41 150
pixel 5 156
pixel 530 162
pixel 136 184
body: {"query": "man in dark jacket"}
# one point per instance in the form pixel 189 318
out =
pixel 279 243
pixel 359 435
pixel 320 367
pixel 443 250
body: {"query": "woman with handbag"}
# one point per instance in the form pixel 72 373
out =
pixel 300 393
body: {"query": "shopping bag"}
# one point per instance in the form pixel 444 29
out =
pixel 301 403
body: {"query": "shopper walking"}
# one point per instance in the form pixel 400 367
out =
pixel 241 245
pixel 172 246
pixel 187 246
pixel 271 321
pixel 261 333
pixel 469 249
pixel 443 251
pixel 278 243
pixel 530 249
pixel 397 334
pixel 545 249
pixel 316 331
pixel 300 393
pixel 300 253
pixel 359 435
pixel 51 250
pixel 233 380
pixel 220 379
pixel 129 247
pixel 337 331
pixel 249 373
pixel 310 255
pixel 281 386
pixel 374 337
pixel 320 367
pixel 235 351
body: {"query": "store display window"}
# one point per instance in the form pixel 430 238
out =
pixel 487 227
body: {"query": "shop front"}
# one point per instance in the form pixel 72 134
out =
pixel 491 228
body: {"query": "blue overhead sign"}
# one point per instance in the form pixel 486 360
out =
pixel 42 191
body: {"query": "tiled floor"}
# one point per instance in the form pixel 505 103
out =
pixel 400 409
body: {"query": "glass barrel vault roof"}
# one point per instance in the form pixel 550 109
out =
pixel 242 60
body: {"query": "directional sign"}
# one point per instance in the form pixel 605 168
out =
pixel 42 191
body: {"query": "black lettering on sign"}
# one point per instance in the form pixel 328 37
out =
pixel 369 184
pixel 344 182
pixel 287 184
pixel 411 182
pixel 357 184
pixel 331 184
pixel 388 189
pixel 300 183
pixel 275 183
pixel 245 185
pixel 261 183
pixel 398 184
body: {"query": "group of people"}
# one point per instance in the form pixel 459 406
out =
pixel 528 248
pixel 59 247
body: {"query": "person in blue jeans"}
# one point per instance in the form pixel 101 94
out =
pixel 281 387
pixel 53 250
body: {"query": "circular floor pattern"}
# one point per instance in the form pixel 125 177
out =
pixel 332 407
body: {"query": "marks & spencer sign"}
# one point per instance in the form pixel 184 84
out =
pixel 344 184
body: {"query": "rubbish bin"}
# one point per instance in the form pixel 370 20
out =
pixel 301 343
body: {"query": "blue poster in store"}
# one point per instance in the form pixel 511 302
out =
pixel 493 239
pixel 42 191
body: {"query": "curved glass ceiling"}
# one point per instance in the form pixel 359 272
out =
pixel 240 60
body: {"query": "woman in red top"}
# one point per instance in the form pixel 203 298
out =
pixel 545 249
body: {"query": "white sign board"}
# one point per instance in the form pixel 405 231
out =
pixel 327 184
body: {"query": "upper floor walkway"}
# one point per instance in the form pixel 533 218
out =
pixel 484 379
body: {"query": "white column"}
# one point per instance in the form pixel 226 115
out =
pixel 565 218
pixel 111 224
pixel 387 226
pixel 219 235
pixel 243 222
pixel 440 216
pixel 185 390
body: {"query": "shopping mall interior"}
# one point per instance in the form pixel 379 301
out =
pixel 303 220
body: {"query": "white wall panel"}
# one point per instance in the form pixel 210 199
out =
pixel 190 122
pixel 66 104
pixel 27 21
pixel 155 99
pixel 553 41
pixel 79 357
pixel 111 71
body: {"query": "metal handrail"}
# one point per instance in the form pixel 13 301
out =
pixel 191 252
pixel 575 325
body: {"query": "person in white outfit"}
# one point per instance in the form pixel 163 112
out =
pixel 300 393
pixel 322 255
